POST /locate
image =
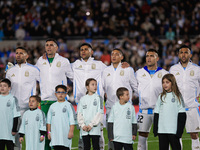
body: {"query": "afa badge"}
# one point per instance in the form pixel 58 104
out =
pixel 128 114
pixel 37 118
pixel 8 103
pixel 95 102
pixel 80 66
pixel 160 75
pixel 64 109
pixel 144 75
pixel 122 73
pixel 177 73
pixel 192 73
pixel 26 74
pixel 173 100
pixel 93 66
pixel 53 113
pixel 26 121
pixel 58 64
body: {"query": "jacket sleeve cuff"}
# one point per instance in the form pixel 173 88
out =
pixel 91 125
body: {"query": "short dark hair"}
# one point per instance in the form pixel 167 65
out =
pixel 184 46
pixel 87 44
pixel 152 50
pixel 62 87
pixel 23 48
pixel 118 50
pixel 38 99
pixel 7 81
pixel 120 91
pixel 52 39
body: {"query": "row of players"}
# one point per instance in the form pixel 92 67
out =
pixel 61 118
pixel 147 82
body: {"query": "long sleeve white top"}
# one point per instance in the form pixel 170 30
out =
pixel 115 78
pixel 84 70
pixel 23 81
pixel 149 87
pixel 188 81
pixel 53 75
pixel 90 112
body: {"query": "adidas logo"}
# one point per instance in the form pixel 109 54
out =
pixel 197 128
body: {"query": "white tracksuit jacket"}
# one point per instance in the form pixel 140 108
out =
pixel 23 82
pixel 113 79
pixel 188 81
pixel 84 70
pixel 149 87
pixel 53 75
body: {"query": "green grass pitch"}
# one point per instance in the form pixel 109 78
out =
pixel 152 141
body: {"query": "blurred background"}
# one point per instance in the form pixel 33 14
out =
pixel 132 25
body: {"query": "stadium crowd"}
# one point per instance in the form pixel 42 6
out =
pixel 141 24
pixel 27 19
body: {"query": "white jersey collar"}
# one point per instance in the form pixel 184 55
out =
pixel 89 59
pixel 22 65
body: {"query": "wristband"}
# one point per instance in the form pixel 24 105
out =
pixel 49 132
pixel 42 136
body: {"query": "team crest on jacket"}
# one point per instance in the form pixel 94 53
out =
pixel 128 114
pixel 160 75
pixel 64 109
pixel 192 73
pixel 80 66
pixel 26 74
pixel 177 73
pixel 44 63
pixel 122 73
pixel 37 118
pixel 144 75
pixel 13 75
pixel 108 74
pixel 8 103
pixel 173 99
pixel 95 102
pixel 58 64
pixel 93 66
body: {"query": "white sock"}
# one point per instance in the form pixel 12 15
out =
pixel 142 143
pixel 181 143
pixel 195 144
